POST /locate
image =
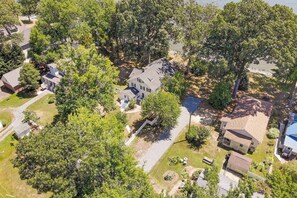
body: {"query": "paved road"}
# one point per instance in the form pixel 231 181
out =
pixel 158 148
pixel 19 116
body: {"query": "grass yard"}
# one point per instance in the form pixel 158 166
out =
pixel 17 99
pixel 44 109
pixel 182 149
pixel 5 118
pixel 10 183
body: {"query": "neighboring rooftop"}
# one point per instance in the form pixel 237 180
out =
pixel 22 129
pixel 291 133
pixel 249 118
pixel 239 163
pixel 12 77
pixel 153 73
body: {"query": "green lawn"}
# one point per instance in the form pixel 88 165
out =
pixel 44 109
pixel 10 183
pixel 17 99
pixel 182 149
pixel 5 118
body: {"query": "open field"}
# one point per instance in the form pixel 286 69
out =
pixel 10 183
pixel 16 100
pixel 45 110
pixel 5 118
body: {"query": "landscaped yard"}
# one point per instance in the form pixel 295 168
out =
pixel 16 99
pixel 44 110
pixel 181 148
pixel 5 118
pixel 10 183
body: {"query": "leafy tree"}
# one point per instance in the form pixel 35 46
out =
pixel 84 158
pixel 11 57
pixel 176 84
pixel 29 77
pixel 194 22
pixel 212 177
pixel 30 116
pixel 195 191
pixel 10 11
pixel 283 181
pixel 161 105
pixel 142 28
pixel 197 135
pixel 29 7
pixel 273 133
pixel 89 80
pixel 239 35
pixel 246 186
pixel 220 96
pixel 132 104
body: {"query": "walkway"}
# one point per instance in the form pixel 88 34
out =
pixel 19 116
pixel 158 149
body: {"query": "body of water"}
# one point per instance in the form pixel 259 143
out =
pixel 221 3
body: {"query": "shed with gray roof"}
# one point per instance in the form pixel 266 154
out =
pixel 22 130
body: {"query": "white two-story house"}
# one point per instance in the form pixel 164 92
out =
pixel 52 79
pixel 144 81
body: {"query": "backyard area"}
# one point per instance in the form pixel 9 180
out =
pixel 10 183
pixel 16 100
pixel 45 109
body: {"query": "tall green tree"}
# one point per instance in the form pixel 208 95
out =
pixel 29 77
pixel 89 80
pixel 11 57
pixel 176 84
pixel 10 11
pixel 84 158
pixel 220 96
pixel 239 35
pixel 162 105
pixel 194 22
pixel 142 28
pixel 29 7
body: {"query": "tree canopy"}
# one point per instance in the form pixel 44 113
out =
pixel 84 158
pixel 11 57
pixel 88 81
pixel 29 77
pixel 162 105
pixel 29 7
pixel 176 84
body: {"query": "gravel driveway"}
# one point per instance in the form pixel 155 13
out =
pixel 158 148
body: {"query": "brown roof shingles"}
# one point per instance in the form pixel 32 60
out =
pixel 239 163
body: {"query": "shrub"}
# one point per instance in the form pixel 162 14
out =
pixel 168 177
pixel 173 161
pixel 51 99
pixel 220 96
pixel 199 68
pixel 132 104
pixel 273 133
pixel 196 174
pixel 197 135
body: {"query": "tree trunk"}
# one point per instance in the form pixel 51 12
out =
pixel 293 90
pixel 236 87
pixel 29 18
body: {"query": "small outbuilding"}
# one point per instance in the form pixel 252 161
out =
pixel 239 163
pixel 22 130
pixel 11 80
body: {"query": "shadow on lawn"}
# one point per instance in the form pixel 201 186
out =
pixel 154 133
pixel 25 94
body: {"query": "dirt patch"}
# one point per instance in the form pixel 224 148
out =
pixel 139 147
pixel 174 177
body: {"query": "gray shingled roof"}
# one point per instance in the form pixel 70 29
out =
pixel 154 73
pixel 12 77
pixel 22 129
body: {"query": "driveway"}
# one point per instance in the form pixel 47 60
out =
pixel 158 148
pixel 19 116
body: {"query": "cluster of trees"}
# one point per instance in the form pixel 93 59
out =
pixel 84 158
pixel 197 135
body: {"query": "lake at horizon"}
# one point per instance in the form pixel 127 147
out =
pixel 221 3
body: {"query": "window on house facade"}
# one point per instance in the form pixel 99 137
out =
pixel 148 90
pixel 140 86
pixel 241 145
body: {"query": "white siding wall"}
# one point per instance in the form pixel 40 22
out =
pixel 138 87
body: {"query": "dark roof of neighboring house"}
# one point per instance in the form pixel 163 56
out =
pixel 153 73
pixel 22 129
pixel 249 118
pixel 12 77
pixel 239 163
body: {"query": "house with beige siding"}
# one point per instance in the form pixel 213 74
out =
pixel 244 129
pixel 147 80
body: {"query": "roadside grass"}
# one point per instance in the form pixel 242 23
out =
pixel 5 118
pixel 10 183
pixel 44 110
pixel 17 99
pixel 182 148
